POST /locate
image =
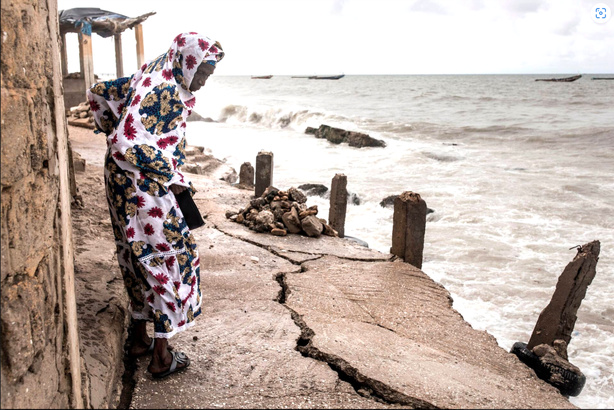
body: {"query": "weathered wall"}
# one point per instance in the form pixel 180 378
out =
pixel 39 349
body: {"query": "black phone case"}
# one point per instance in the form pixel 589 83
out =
pixel 190 211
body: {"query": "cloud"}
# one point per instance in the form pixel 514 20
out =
pixel 428 6
pixel 523 6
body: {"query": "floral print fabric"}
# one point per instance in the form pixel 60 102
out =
pixel 144 119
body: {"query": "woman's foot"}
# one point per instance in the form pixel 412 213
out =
pixel 164 362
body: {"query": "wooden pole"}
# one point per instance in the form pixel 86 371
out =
pixel 87 60
pixel 64 56
pixel 338 204
pixel 408 228
pixel 140 50
pixel 119 57
pixel 69 296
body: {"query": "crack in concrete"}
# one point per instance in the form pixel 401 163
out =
pixel 363 385
pixel 295 262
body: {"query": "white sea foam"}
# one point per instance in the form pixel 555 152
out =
pixel 516 173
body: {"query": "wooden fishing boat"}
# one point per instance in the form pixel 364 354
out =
pixel 602 78
pixel 326 77
pixel 261 77
pixel 563 80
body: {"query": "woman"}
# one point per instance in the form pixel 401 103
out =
pixel 144 118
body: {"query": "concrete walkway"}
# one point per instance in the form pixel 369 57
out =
pixel 298 322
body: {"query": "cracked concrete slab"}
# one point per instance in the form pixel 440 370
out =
pixel 243 346
pixel 390 325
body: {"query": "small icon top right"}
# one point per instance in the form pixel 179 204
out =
pixel 600 13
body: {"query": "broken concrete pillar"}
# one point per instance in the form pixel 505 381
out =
pixel 338 203
pixel 557 320
pixel 246 175
pixel 408 227
pixel 264 172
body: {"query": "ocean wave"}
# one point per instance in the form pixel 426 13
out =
pixel 276 117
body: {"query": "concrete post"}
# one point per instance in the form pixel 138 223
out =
pixel 338 203
pixel 140 48
pixel 119 57
pixel 557 320
pixel 408 227
pixel 246 175
pixel 264 172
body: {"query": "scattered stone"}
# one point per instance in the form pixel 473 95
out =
pixel 81 116
pixel 338 135
pixel 353 198
pixel 388 201
pixel 312 226
pixel 292 221
pixel 279 232
pixel 296 195
pixel 314 189
pixel 78 162
pixel 246 175
pixel 194 150
pixel 197 162
pixel 194 116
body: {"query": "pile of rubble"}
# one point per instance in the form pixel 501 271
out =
pixel 282 212
pixel 80 116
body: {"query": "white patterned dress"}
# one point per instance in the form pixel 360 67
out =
pixel 144 118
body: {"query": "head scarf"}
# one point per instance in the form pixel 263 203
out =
pixel 144 115
pixel 182 59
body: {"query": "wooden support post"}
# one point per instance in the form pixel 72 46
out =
pixel 69 295
pixel 557 320
pixel 140 49
pixel 64 56
pixel 246 175
pixel 119 57
pixel 338 204
pixel 264 172
pixel 408 227
pixel 87 61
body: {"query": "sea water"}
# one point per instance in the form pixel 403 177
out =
pixel 518 172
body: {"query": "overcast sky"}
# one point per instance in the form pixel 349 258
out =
pixel 295 37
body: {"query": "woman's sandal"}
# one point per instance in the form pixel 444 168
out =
pixel 178 358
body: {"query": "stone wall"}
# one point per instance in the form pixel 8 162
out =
pixel 39 345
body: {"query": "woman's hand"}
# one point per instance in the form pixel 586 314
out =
pixel 177 189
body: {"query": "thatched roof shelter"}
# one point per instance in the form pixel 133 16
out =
pixel 84 22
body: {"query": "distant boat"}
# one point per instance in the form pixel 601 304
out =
pixel 326 77
pixel 602 78
pixel 261 77
pixel 564 80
